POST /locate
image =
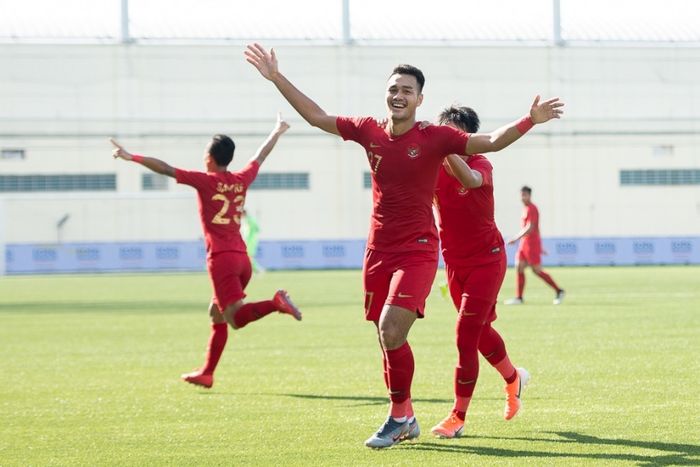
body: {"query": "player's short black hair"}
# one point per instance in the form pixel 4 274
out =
pixel 464 118
pixel 221 149
pixel 526 189
pixel 404 69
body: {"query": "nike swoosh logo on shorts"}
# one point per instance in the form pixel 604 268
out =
pixel 372 145
pixel 403 295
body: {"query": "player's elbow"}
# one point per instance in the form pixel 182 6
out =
pixel 317 120
pixel 168 171
pixel 495 144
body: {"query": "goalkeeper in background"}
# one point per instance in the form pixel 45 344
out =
pixel 250 230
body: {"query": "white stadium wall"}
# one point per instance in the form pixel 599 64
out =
pixel 627 108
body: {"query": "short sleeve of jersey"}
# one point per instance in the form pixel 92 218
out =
pixel 249 172
pixel 451 141
pixel 192 178
pixel 352 128
pixel 484 167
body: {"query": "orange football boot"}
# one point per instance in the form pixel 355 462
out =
pixel 450 427
pixel 513 393
pixel 285 305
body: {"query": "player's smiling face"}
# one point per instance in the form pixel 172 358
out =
pixel 403 97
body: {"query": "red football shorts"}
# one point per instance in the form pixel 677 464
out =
pixel 400 279
pixel 474 289
pixel 530 255
pixel 230 273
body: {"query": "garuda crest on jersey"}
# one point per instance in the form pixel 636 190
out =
pixel 413 151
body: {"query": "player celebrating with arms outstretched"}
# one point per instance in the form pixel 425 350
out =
pixel 221 196
pixel 402 249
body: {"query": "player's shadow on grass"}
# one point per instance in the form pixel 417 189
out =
pixel 677 453
pixel 363 400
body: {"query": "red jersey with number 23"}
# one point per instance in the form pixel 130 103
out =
pixel 404 170
pixel 221 197
pixel 466 218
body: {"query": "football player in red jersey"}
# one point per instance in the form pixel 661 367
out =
pixel 475 260
pixel 401 258
pixel 221 195
pixel 530 250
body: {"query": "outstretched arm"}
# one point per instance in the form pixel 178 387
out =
pixel 268 145
pixel 468 177
pixel 540 112
pixel 156 165
pixel 524 231
pixel 266 63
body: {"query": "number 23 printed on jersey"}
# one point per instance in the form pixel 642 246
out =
pixel 220 217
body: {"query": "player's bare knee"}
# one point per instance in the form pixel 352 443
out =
pixel 390 336
pixel 230 313
pixel 216 316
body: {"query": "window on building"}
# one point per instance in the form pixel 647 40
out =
pixel 281 181
pixel 63 182
pixel 660 177
pixel 12 154
pixel 154 182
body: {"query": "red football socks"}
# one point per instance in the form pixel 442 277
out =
pixel 548 279
pixel 399 409
pixel 385 365
pixel 400 368
pixel 492 347
pixel 252 312
pixel 521 284
pixel 469 329
pixel 461 406
pixel 217 342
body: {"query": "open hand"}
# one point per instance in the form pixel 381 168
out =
pixel 541 112
pixel 264 61
pixel 119 152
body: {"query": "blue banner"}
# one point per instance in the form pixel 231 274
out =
pixel 323 254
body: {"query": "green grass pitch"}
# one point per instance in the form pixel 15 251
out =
pixel 90 364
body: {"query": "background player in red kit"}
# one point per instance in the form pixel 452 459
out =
pixel 475 259
pixel 530 250
pixel 221 196
pixel 401 257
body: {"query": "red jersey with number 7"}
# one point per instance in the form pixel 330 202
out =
pixel 404 170
pixel 221 197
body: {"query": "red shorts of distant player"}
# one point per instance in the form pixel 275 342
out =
pixel 531 255
pixel 401 279
pixel 230 273
pixel 474 289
